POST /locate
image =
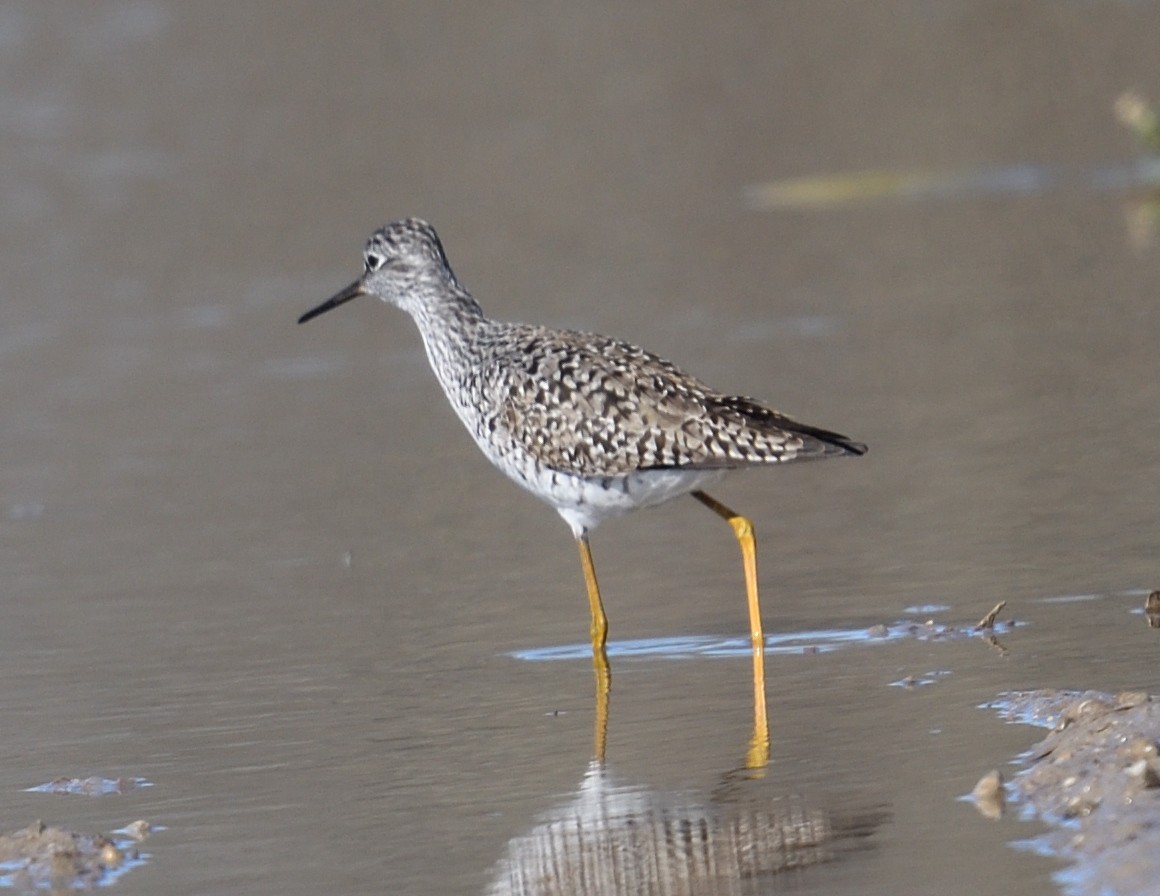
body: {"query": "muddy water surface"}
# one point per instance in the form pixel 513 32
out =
pixel 260 566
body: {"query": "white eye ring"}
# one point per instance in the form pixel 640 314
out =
pixel 373 261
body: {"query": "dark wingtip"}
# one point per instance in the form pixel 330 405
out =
pixel 852 447
pixel 834 443
pixel 826 443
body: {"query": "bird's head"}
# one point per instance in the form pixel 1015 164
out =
pixel 402 263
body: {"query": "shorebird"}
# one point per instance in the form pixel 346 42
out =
pixel 594 426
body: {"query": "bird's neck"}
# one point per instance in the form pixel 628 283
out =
pixel 449 325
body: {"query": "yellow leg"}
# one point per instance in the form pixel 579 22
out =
pixel 599 629
pixel 599 632
pixel 603 685
pixel 757 756
pixel 759 746
pixel 743 529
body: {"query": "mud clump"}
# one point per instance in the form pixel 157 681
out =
pixel 45 857
pixel 1095 779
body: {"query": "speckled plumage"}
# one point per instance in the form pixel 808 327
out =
pixel 595 426
pixel 594 406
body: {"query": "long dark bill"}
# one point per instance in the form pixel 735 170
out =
pixel 351 292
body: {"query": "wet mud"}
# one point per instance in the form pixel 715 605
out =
pixel 42 856
pixel 1095 780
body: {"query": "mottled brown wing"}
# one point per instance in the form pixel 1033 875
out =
pixel 594 406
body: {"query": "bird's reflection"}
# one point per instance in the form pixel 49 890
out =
pixel 613 837
pixel 757 754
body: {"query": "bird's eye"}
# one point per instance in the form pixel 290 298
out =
pixel 373 262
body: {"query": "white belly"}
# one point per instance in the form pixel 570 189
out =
pixel 585 503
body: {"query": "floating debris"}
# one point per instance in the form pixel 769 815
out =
pixel 920 681
pixel 989 795
pixel 798 643
pixel 1152 609
pixel 926 609
pixel 138 830
pixel 93 786
pixel 1137 115
pixel 842 189
pixel 988 622
pixel 987 628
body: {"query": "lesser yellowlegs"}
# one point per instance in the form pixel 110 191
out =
pixel 594 426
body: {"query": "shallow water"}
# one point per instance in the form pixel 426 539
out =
pixel 261 567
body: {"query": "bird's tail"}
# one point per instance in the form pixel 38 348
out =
pixel 818 442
